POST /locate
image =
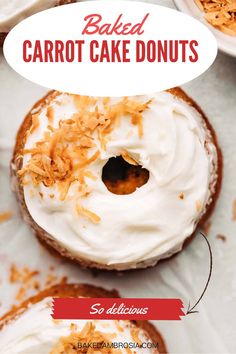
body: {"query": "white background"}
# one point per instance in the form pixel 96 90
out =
pixel 213 329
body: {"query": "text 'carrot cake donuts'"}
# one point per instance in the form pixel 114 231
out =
pixel 31 329
pixel 116 183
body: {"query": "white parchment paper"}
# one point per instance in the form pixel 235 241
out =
pixel 213 329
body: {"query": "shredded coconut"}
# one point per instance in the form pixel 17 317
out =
pixel 65 153
pixel 220 14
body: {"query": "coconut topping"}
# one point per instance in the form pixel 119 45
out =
pixel 65 153
pixel 87 335
pixel 220 14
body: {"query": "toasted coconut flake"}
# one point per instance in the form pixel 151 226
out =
pixel 234 210
pixel 50 127
pixel 14 274
pixel 199 4
pixel 135 336
pixel 64 189
pixel 50 114
pixel 129 159
pixel 88 335
pixel 118 326
pixel 84 190
pixel 23 275
pixel 88 214
pixel 93 158
pixel 198 205
pixel 21 293
pixel 7 215
pixel 86 142
pixel 67 150
pixel 35 123
pixel 220 14
pixel 90 175
pixel 34 168
pixel 26 280
pixel 22 172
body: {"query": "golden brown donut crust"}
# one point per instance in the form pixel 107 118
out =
pixel 43 236
pixel 80 290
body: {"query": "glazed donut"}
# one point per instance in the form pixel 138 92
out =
pixel 116 183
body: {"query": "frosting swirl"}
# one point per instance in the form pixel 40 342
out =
pixel 34 331
pixel 152 223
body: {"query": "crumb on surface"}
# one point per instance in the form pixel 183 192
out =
pixel 234 210
pixel 5 216
pixel 221 237
pixel 21 294
pixel 28 280
pixel 23 275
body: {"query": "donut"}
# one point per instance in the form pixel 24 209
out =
pixel 14 11
pixel 29 328
pixel 116 183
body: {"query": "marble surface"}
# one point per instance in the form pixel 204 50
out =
pixel 212 330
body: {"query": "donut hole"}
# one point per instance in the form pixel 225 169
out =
pixel 120 177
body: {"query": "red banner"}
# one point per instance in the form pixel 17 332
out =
pixel 116 308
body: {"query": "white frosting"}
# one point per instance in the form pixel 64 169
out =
pixel 14 11
pixel 151 223
pixel 35 332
